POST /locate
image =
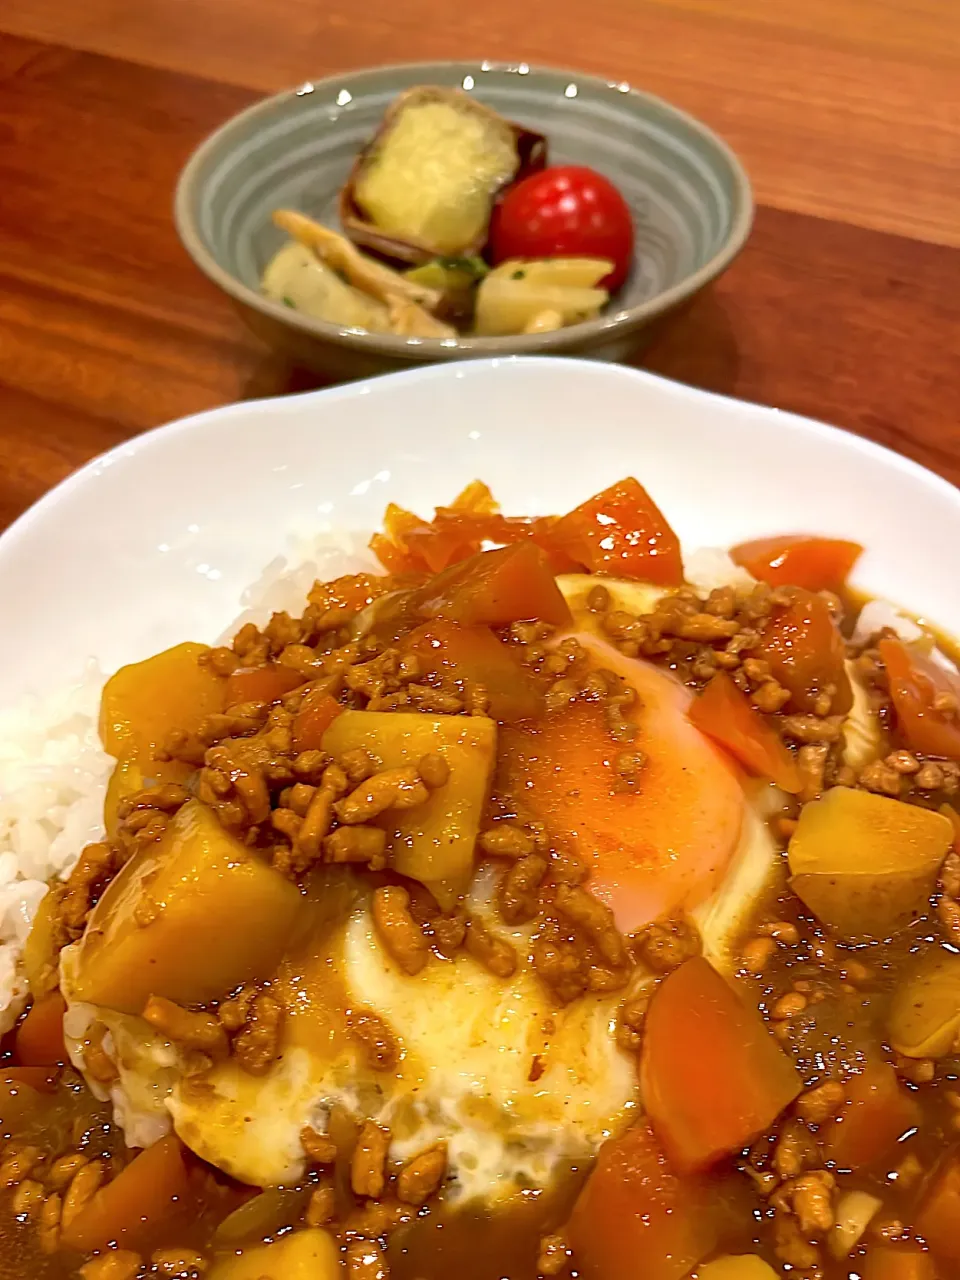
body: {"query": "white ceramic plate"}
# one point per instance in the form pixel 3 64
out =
pixel 156 541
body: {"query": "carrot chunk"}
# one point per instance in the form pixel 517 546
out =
pixel 878 1112
pixel 917 684
pixel 712 1076
pixel 496 588
pixel 316 715
pixel 723 713
pixel 805 652
pixel 799 560
pixel 490 589
pixel 262 684
pixel 636 1217
pixel 39 1038
pixel 622 532
pixel 476 657
pixel 40 1079
pixel 128 1209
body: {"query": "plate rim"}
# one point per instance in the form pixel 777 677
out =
pixel 451 371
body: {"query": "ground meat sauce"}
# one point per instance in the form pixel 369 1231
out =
pixel 814 1195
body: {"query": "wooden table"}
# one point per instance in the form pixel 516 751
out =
pixel 845 305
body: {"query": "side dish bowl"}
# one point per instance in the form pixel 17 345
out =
pixel 689 196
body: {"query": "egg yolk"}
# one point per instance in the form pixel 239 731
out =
pixel 656 844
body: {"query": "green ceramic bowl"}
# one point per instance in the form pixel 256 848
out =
pixel 689 195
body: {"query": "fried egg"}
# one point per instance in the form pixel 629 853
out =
pixel 517 1087
pixel 512 1084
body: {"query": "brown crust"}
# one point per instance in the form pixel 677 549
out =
pixel 531 149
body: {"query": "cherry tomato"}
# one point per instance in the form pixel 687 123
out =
pixel 567 211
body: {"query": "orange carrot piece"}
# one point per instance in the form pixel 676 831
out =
pixel 799 560
pixel 493 589
pixel 636 1217
pixel 262 684
pixel 393 558
pixel 341 599
pixel 41 1079
pixel 442 544
pixel 805 651
pixel 128 1209
pixel 712 1076
pixel 915 683
pixel 879 1110
pixel 411 545
pixel 723 713
pixel 393 547
pixel 621 532
pixel 475 498
pixel 475 655
pixel 505 531
pixel 39 1038
pixel 316 715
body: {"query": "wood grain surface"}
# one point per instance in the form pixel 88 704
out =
pixel 845 304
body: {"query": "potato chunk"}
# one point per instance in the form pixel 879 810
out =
pixel 866 865
pixel 296 277
pixel 924 1017
pixel 433 842
pixel 507 306
pixel 131 776
pixel 189 917
pixel 558 273
pixel 143 702
pixel 40 954
pixel 303 1255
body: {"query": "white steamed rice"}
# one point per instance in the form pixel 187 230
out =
pixel 53 774
pixel 54 771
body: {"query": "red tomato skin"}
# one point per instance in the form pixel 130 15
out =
pixel 567 211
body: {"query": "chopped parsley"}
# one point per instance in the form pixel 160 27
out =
pixel 289 302
pixel 472 266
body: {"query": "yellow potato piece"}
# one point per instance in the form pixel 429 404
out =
pixel 145 701
pixel 189 917
pixel 304 1255
pixel 131 776
pixel 854 1212
pixel 580 273
pixel 924 1017
pixel 298 279
pixel 508 306
pixel 745 1266
pixel 40 957
pixel 433 843
pixel 864 864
